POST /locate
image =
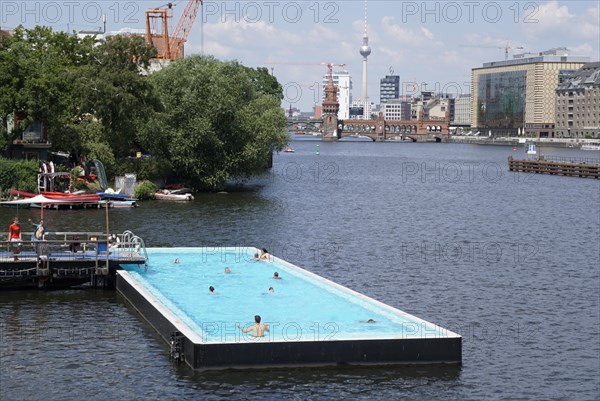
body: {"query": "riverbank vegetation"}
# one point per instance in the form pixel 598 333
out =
pixel 200 120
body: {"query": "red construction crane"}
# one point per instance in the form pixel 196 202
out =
pixel 170 46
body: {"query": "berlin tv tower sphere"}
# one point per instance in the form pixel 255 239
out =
pixel 365 49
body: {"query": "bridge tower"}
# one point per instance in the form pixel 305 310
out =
pixel 331 106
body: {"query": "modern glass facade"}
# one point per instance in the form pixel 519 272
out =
pixel 501 99
pixel 389 88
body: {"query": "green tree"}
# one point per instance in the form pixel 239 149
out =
pixel 88 94
pixel 34 65
pixel 220 120
pixel 115 92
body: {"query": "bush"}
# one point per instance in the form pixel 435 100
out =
pixel 145 190
pixel 18 174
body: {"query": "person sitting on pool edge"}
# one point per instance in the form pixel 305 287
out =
pixel 257 329
pixel 264 254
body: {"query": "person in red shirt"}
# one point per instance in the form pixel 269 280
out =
pixel 14 237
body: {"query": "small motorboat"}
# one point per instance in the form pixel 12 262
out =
pixel 165 194
pixel 288 150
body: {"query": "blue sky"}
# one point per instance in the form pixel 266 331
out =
pixel 432 43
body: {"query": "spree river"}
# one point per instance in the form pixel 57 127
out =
pixel 442 231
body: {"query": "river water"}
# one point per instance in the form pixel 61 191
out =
pixel 442 231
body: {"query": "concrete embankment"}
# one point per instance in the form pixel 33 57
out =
pixel 512 141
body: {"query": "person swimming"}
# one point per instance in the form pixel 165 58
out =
pixel 176 261
pixel 227 270
pixel 257 329
pixel 211 290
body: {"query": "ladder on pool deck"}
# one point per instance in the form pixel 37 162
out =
pixel 133 243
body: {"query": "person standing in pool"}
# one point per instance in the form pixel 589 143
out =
pixel 257 329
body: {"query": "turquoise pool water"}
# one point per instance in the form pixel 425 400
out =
pixel 302 307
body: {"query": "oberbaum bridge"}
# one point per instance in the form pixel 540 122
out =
pixel 433 129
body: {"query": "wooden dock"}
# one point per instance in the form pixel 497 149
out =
pixel 554 165
pixel 65 259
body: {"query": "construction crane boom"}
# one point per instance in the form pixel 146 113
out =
pixel 329 65
pixel 184 26
pixel 505 48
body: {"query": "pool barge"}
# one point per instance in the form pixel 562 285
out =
pixel 430 345
pixel 66 259
pixel 555 165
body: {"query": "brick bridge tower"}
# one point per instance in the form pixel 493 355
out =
pixel 331 107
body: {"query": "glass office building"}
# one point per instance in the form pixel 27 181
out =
pixel 517 97
pixel 501 99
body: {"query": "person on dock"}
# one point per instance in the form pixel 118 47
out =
pixel 75 245
pixel 38 234
pixel 257 329
pixel 39 230
pixel 114 241
pixel 14 237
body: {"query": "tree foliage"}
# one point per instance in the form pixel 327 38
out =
pixel 19 174
pixel 203 119
pixel 220 120
pixel 87 93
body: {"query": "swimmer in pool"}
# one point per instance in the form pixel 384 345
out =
pixel 257 329
pixel 264 254
pixel 227 270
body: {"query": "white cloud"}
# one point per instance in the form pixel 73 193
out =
pixel 401 35
pixel 590 26
pixel 558 21
pixel 584 49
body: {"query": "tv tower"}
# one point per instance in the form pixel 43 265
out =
pixel 365 51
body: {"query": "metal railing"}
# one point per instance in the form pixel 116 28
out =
pixel 72 247
pixel 564 159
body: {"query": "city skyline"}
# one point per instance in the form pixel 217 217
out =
pixel 434 44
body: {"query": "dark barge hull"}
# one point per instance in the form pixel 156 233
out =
pixel 243 355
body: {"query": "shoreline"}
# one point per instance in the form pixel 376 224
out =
pixel 571 143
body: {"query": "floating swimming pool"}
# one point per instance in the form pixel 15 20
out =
pixel 311 320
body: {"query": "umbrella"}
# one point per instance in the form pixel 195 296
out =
pixel 38 199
